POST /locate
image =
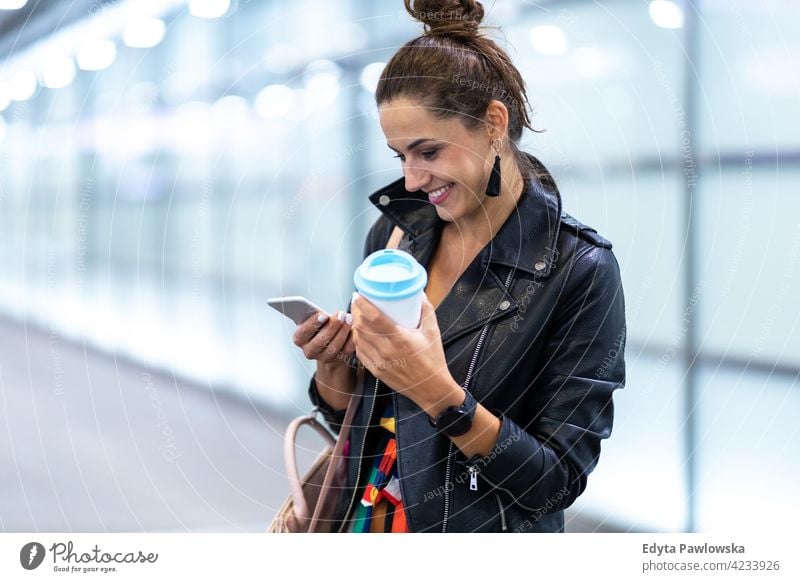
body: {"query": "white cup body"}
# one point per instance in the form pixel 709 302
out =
pixel 405 312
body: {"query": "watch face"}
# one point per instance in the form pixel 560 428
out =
pixel 455 422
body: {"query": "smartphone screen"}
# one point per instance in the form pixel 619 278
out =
pixel 296 308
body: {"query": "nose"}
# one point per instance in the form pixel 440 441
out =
pixel 416 178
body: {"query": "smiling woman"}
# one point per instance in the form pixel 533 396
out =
pixel 493 418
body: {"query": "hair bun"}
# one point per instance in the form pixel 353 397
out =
pixel 447 16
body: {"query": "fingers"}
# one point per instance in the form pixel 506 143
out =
pixel 309 328
pixel 349 347
pixel 321 345
pixel 336 345
pixel 369 318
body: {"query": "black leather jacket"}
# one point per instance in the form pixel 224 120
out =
pixel 535 329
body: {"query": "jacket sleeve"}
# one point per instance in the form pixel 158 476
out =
pixel 543 462
pixel 377 237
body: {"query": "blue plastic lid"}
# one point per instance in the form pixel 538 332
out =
pixel 390 274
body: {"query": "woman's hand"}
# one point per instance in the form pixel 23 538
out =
pixel 326 339
pixel 409 361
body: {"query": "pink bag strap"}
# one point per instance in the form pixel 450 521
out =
pixel 299 502
pixel 394 238
pixel 344 433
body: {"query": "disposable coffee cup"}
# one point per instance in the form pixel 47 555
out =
pixel 394 281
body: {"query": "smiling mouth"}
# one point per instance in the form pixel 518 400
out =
pixel 439 195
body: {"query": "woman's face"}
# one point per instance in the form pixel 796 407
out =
pixel 450 162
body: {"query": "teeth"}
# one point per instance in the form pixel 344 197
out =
pixel 440 191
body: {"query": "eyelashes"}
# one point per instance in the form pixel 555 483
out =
pixel 427 155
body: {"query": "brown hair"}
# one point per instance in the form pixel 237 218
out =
pixel 454 70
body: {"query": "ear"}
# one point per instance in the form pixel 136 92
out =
pixel 496 119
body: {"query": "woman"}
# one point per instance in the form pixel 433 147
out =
pixel 489 416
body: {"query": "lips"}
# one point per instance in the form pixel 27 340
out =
pixel 438 196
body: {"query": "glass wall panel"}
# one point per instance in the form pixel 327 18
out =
pixel 749 79
pixel 605 82
pixel 747 451
pixel 749 263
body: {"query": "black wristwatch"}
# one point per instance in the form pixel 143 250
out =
pixel 454 421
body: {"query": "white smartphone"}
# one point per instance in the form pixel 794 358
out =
pixel 296 307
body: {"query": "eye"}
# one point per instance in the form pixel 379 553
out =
pixel 427 155
pixel 430 154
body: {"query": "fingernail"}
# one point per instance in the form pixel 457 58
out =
pixel 355 296
pixel 322 318
pixel 340 316
pixel 348 319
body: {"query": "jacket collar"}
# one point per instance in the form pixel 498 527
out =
pixel 527 239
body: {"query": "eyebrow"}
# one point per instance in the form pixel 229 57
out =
pixel 413 144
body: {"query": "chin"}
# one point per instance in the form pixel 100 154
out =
pixel 445 214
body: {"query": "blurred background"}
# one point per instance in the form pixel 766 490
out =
pixel 166 166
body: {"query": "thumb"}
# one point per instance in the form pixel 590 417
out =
pixel 428 314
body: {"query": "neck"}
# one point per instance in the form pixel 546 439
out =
pixel 478 228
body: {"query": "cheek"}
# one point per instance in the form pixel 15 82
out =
pixel 473 186
pixel 473 173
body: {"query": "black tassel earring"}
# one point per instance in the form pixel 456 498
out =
pixel 493 188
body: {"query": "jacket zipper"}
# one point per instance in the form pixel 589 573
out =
pixel 452 445
pixel 503 525
pixel 360 458
pixel 473 469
